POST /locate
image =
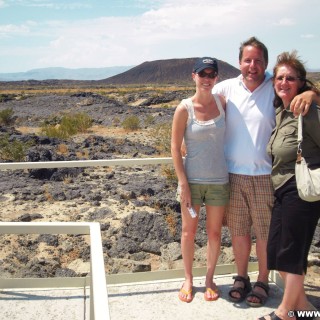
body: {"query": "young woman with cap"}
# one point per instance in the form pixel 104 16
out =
pixel 199 123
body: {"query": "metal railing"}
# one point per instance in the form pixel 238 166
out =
pixel 99 308
pixel 83 163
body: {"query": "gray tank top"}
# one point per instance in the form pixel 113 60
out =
pixel 205 161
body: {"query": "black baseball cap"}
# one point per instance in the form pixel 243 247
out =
pixel 205 62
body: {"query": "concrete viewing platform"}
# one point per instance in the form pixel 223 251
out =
pixel 159 300
pixel 146 300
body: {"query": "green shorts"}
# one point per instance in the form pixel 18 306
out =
pixel 209 194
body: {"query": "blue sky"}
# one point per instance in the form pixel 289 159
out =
pixel 106 33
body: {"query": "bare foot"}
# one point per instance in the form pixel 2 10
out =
pixel 185 293
pixel 212 291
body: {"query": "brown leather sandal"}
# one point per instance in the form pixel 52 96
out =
pixel 242 291
pixel 262 298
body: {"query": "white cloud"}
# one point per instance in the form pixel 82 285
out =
pixel 59 6
pixel 110 41
pixel 45 4
pixel 285 22
pixel 11 30
pixel 172 28
pixel 308 36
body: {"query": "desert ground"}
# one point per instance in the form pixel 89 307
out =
pixel 136 207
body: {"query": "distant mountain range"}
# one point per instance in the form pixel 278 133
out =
pixel 64 74
pixel 162 72
pixel 170 71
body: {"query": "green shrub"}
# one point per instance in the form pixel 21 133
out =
pixel 2 97
pixel 13 150
pixel 68 126
pixel 54 131
pixel 169 172
pixel 131 123
pixel 149 120
pixel 171 220
pixel 54 120
pixel 116 121
pixel 161 133
pixel 6 117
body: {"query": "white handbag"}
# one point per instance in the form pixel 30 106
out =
pixel 308 180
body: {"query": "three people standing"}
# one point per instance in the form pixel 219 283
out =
pixel 250 119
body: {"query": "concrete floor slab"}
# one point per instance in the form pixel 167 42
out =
pixel 148 300
pixel 159 301
pixel 51 304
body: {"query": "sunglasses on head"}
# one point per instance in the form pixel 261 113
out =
pixel 203 74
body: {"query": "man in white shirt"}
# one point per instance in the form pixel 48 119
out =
pixel 250 118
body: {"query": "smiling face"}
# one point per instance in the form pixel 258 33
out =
pixel 252 66
pixel 287 83
pixel 206 79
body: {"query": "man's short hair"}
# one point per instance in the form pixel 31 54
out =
pixel 254 42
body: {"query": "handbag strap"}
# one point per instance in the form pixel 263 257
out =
pixel 300 138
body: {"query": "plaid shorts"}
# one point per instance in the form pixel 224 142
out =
pixel 251 202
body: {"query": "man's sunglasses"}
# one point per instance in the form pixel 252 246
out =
pixel 203 74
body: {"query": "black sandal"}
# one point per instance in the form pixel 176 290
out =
pixel 262 298
pixel 272 316
pixel 242 291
